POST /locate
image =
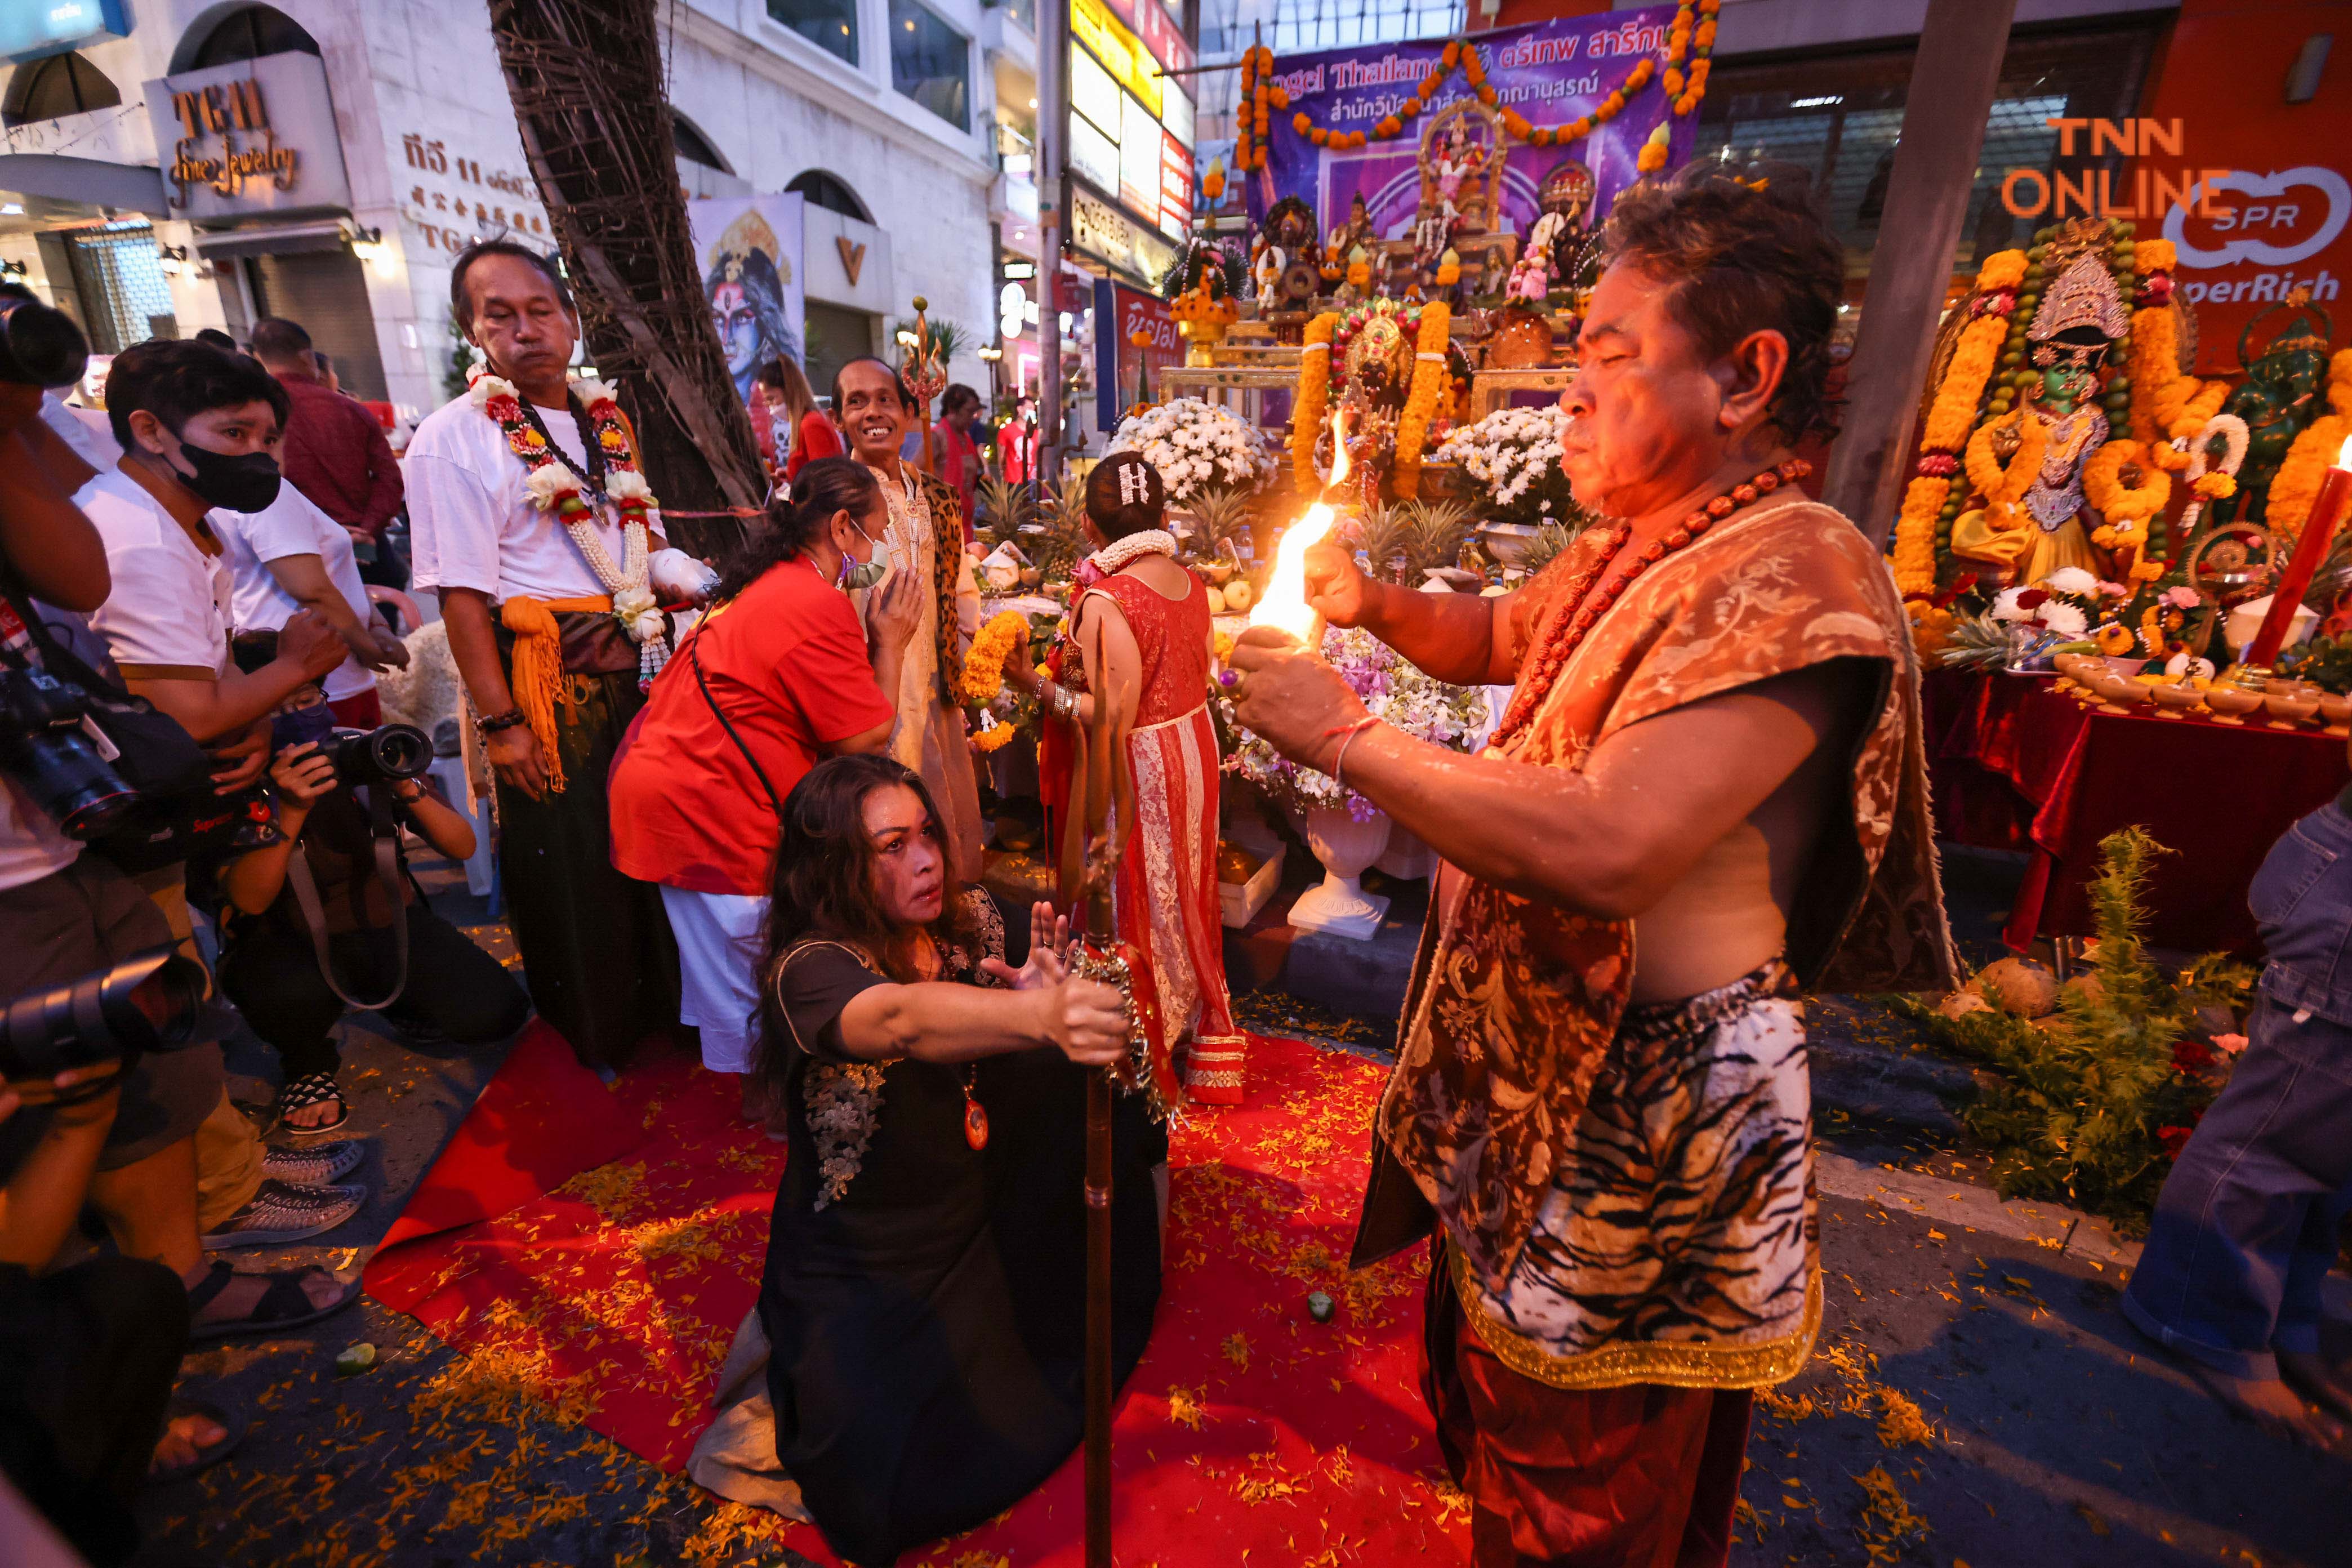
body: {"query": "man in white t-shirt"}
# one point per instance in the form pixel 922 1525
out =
pixel 516 587
pixel 290 556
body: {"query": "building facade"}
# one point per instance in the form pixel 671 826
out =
pixel 169 165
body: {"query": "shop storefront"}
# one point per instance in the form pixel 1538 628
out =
pixel 180 165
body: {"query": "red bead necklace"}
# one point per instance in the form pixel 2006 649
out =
pixel 1583 607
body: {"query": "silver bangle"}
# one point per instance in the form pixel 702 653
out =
pixel 1340 763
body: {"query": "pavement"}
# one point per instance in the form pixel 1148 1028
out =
pixel 1976 1398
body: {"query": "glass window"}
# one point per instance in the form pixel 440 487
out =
pixel 54 87
pixel 1839 120
pixel 930 62
pixel 124 296
pixel 831 193
pixel 830 25
pixel 249 34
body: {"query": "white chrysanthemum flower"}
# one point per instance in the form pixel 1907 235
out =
pixel 627 484
pixel 550 483
pixel 591 392
pixel 486 387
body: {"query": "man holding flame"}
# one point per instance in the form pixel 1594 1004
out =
pixel 1709 793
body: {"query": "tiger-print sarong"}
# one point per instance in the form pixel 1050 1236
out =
pixel 1676 1243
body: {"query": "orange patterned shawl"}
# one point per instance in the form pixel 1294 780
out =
pixel 1513 1002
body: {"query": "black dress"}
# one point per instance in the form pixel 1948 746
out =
pixel 924 1302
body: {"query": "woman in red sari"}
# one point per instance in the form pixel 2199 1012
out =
pixel 1139 630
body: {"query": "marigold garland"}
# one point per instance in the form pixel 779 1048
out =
pixel 2005 485
pixel 2117 502
pixel 1690 38
pixel 983 662
pixel 1915 536
pixel 1429 375
pixel 1954 408
pixel 1314 392
pixel 1945 431
pixel 2296 487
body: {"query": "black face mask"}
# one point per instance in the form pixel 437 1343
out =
pixel 247 483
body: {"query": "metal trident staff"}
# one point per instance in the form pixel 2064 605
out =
pixel 1092 845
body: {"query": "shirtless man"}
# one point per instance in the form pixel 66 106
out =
pixel 1707 790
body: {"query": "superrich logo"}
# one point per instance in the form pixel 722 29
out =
pixel 2289 215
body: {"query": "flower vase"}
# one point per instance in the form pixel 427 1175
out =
pixel 1347 847
pixel 1407 858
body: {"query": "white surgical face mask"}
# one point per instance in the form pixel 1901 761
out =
pixel 857 573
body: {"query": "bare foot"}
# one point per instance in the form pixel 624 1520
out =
pixel 2325 1384
pixel 243 1293
pixel 2271 1405
pixel 316 1115
pixel 185 1440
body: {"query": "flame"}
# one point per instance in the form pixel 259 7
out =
pixel 2344 454
pixel 1284 605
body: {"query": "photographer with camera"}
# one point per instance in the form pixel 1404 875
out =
pixel 103 1082
pixel 344 925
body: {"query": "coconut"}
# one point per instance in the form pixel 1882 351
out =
pixel 1962 1003
pixel 1216 599
pixel 1239 596
pixel 2019 986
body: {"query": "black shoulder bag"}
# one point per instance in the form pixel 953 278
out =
pixel 385 835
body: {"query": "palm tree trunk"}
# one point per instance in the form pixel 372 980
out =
pixel 589 91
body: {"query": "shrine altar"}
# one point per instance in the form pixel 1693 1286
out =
pixel 2018 765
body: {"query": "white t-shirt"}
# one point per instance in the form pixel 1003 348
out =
pixel 86 430
pixel 472 523
pixel 291 525
pixel 169 611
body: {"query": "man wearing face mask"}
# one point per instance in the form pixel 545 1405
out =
pixel 924 541
pixel 778 676
pixel 199 429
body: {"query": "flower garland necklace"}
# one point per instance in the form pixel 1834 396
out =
pixel 1583 608
pixel 1128 548
pixel 557 485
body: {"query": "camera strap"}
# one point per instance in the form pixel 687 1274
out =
pixel 386 840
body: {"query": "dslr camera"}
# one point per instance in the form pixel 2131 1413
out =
pixel 380 755
pixel 150 1001
pixel 47 745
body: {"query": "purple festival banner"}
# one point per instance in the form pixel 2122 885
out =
pixel 1552 72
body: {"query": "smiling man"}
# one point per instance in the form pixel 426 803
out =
pixel 520 588
pixel 1707 795
pixel 925 538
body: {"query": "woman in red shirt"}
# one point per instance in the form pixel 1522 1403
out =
pixel 778 676
pixel 815 436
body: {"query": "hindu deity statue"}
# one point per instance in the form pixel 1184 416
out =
pixel 1565 198
pixel 1285 243
pixel 2279 398
pixel 2072 333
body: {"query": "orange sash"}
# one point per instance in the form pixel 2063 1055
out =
pixel 537 678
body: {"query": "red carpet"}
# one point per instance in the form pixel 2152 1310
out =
pixel 596 1248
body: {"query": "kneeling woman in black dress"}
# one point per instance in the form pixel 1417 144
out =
pixel 924 1294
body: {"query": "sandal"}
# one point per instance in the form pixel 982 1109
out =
pixel 283 1305
pixel 305 1090
pixel 215 1408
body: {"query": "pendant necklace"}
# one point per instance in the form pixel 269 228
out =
pixel 975 1115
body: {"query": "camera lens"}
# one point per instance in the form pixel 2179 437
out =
pixel 150 1001
pixel 41 346
pixel 375 756
pixel 66 778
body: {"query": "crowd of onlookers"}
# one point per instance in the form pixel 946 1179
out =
pixel 194 537
pixel 184 569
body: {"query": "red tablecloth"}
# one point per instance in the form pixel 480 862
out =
pixel 2018 767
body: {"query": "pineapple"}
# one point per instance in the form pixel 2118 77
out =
pixel 1550 539
pixel 1063 514
pixel 1384 534
pixel 1221 520
pixel 1004 508
pixel 1435 531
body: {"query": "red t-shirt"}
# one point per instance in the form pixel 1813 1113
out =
pixel 786 659
pixel 817 438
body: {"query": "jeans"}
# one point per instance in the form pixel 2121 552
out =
pixel 2244 1229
